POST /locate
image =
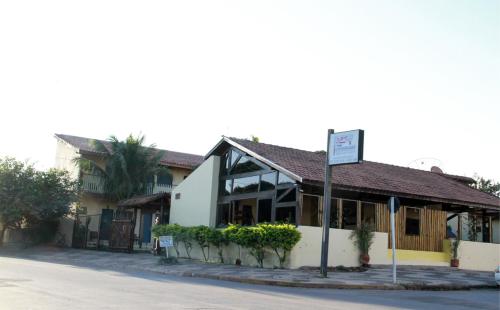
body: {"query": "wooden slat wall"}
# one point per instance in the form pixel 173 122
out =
pixel 432 229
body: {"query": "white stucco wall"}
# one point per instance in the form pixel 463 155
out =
pixel 477 255
pixel 342 250
pixel 194 201
pixel 307 252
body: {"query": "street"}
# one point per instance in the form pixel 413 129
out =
pixel 31 284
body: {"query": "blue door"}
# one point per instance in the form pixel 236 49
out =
pixel 146 232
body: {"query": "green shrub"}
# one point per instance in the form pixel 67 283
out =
pixel 254 239
pixel 281 238
pixel 231 235
pixel 186 237
pixel 218 239
pixel 201 235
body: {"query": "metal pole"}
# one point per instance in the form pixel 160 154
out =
pixel 326 211
pixel 393 241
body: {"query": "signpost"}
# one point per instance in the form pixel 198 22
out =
pixel 166 242
pixel 342 148
pixel 393 204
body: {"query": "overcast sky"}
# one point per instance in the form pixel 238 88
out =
pixel 420 77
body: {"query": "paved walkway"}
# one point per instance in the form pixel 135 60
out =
pixel 409 277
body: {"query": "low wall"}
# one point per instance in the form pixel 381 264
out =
pixel 476 255
pixel 419 258
pixel 307 252
pixel 341 249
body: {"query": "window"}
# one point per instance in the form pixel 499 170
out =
pixel 245 164
pixel 368 214
pixel 223 215
pixel 245 212
pixel 265 207
pixel 164 179
pixel 284 179
pixel 286 195
pixel 285 215
pixel 412 221
pixel 226 187
pixel 268 181
pixel 334 213
pixel 246 185
pixel 349 214
pixel 310 211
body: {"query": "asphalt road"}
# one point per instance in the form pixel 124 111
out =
pixel 29 284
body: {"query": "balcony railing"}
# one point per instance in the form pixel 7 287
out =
pixel 95 184
pixel 158 188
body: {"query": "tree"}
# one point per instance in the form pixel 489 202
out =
pixel 486 185
pixel 15 178
pixel 130 167
pixel 217 238
pixel 255 139
pixel 281 238
pixel 33 199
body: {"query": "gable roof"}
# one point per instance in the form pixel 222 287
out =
pixel 368 176
pixel 170 158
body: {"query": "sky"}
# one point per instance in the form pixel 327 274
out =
pixel 420 77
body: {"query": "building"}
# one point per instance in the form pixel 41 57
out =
pixel 245 182
pixel 95 212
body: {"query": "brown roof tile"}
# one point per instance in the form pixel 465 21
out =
pixel 170 158
pixel 373 176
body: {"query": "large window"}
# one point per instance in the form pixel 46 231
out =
pixel 412 221
pixel 267 190
pixel 268 181
pixel 310 215
pixel 349 214
pixel 246 185
pixel 244 165
pixel 334 213
pixel 368 214
pixel 265 209
pixel 285 215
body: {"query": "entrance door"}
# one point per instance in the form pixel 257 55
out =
pixel 105 228
pixel 146 232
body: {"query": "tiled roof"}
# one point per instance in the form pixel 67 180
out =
pixel 372 176
pixel 170 158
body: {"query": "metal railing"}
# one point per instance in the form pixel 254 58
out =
pixel 95 184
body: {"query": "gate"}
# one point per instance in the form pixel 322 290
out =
pixel 122 235
pixel 86 231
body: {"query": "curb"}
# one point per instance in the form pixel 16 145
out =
pixel 415 287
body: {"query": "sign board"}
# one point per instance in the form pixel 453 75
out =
pixel 166 241
pixel 346 147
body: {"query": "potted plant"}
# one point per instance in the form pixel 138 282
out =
pixel 363 239
pixel 454 252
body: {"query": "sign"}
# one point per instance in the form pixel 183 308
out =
pixel 346 147
pixel 166 241
pixel 342 148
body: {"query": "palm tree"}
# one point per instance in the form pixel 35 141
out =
pixel 130 167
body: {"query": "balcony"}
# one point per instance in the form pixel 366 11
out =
pixel 95 184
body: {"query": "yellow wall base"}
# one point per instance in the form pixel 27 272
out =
pixel 420 256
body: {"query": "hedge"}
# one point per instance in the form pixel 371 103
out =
pixel 279 238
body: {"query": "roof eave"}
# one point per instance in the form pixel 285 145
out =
pixel 407 195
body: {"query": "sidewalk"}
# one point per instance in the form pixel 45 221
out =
pixel 380 277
